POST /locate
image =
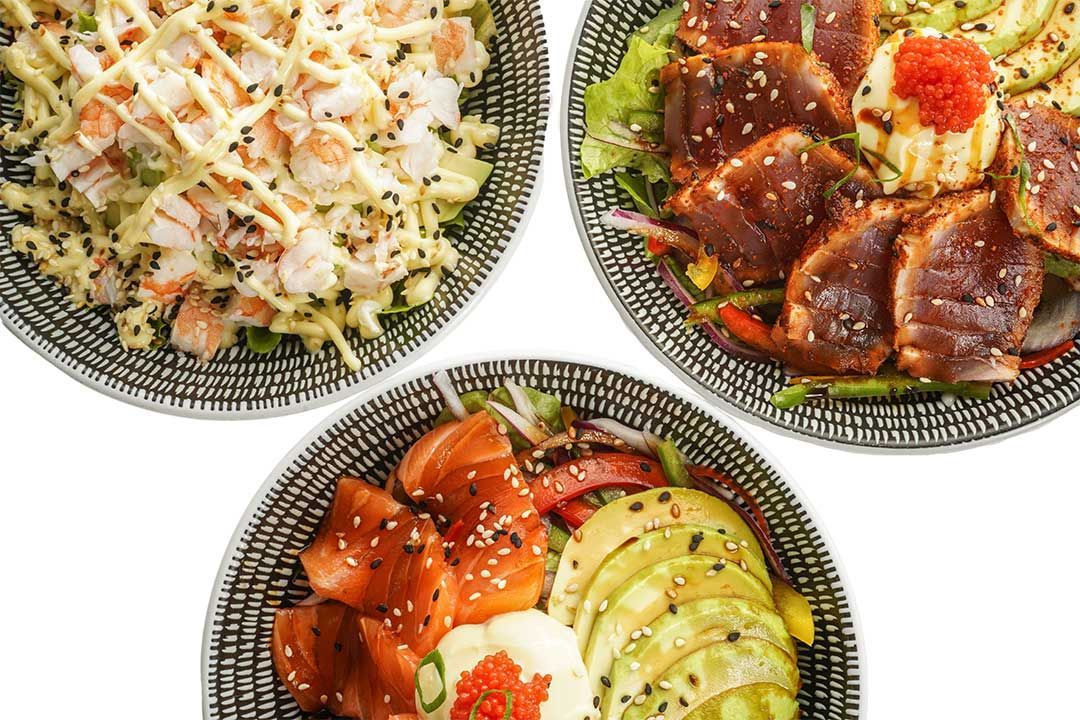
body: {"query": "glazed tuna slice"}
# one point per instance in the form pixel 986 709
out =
pixel 717 105
pixel 838 309
pixel 1050 143
pixel 756 211
pixel 964 287
pixel 845 33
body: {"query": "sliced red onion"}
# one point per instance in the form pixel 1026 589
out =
pixel 636 439
pixel 449 395
pixel 771 555
pixel 726 344
pixel 525 428
pixel 677 236
pixel 522 403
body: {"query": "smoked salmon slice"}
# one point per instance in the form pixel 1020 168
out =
pixel 465 473
pixel 373 554
pixel 332 658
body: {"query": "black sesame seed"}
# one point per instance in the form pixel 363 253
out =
pixel 637 507
pixel 733 636
pixel 664 496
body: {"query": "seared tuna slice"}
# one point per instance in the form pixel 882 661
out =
pixel 756 211
pixel 715 106
pixel 838 308
pixel 1050 144
pixel 845 35
pixel 964 287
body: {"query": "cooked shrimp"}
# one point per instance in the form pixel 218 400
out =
pixel 375 265
pixel 168 282
pixel 267 141
pixel 253 311
pixel 85 65
pixel 419 101
pixel 169 87
pixel 334 101
pixel 209 207
pixel 103 289
pixel 97 181
pixel 222 86
pixel 257 67
pixel 320 161
pixel 174 224
pixel 65 159
pixel 457 51
pixel 308 265
pixel 98 124
pixel 395 13
pixel 198 328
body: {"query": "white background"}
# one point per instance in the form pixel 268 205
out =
pixel 113 519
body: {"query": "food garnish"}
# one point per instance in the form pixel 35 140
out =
pixel 778 240
pixel 493 690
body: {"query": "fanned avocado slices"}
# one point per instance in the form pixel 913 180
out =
pixel 943 15
pixel 1056 47
pixel 651 548
pixel 761 701
pixel 712 671
pixel 630 517
pixel 1014 23
pixel 657 589
pixel 1061 93
pixel 670 638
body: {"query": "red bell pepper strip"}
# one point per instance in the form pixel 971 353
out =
pixel 1047 356
pixel 575 512
pixel 601 470
pixel 657 247
pixel 744 326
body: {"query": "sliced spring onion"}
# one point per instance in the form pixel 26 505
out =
pixel 432 658
pixel 87 22
pixel 808 17
pixel 485 695
pixel 526 429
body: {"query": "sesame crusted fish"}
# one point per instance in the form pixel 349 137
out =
pixel 838 309
pixel 757 210
pixel 717 105
pixel 844 38
pixel 964 287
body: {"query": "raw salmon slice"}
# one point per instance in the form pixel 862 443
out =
pixel 374 555
pixel 465 473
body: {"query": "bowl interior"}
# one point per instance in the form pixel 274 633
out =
pixel 261 570
pixel 238 383
pixel 656 316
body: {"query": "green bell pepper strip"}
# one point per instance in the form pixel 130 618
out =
pixel 709 309
pixel 672 462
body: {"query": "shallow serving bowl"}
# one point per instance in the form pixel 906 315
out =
pixel 238 383
pixel 656 317
pixel 261 570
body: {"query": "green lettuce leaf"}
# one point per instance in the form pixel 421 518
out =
pixel 625 100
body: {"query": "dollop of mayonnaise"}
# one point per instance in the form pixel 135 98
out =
pixel 929 163
pixel 536 642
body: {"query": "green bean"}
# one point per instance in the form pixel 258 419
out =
pixel 709 309
pixel 1061 267
pixel 846 388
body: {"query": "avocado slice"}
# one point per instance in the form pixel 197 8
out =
pixel 657 589
pixel 712 671
pixel 1012 25
pixel 944 15
pixel 478 170
pixel 630 517
pixel 651 548
pixel 760 701
pixel 1063 92
pixel 1053 49
pixel 697 625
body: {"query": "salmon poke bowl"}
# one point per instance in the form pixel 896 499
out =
pixel 241 208
pixel 856 221
pixel 529 539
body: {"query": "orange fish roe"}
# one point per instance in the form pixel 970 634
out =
pixel 498 672
pixel 949 78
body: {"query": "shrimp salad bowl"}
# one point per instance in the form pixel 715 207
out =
pixel 529 539
pixel 243 208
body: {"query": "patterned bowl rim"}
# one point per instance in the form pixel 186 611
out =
pixel 703 390
pixel 427 369
pixel 74 369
